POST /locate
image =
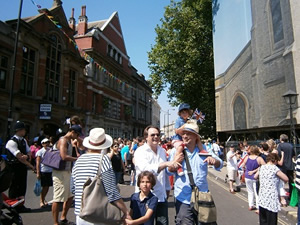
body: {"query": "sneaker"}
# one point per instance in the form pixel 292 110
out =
pixel 180 171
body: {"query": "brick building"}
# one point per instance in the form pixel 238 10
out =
pixel 92 79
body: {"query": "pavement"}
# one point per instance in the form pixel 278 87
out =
pixel 289 211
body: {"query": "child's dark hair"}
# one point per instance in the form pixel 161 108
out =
pixel 149 175
pixel 273 157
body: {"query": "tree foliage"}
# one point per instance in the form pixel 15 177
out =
pixel 181 60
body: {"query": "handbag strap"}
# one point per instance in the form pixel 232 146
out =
pixel 100 164
pixel 189 169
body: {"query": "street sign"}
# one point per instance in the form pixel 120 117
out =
pixel 45 111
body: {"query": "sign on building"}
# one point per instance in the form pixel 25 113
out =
pixel 45 111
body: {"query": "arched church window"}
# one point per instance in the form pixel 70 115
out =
pixel 276 20
pixel 239 111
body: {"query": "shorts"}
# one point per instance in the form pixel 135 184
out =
pixel 232 174
pixel 46 179
pixel 61 185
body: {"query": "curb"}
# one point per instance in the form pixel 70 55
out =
pixel 289 211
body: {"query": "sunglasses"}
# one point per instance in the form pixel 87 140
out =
pixel 152 135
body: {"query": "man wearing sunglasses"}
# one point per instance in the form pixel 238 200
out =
pixel 152 157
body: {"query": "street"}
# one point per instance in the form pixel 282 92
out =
pixel 231 209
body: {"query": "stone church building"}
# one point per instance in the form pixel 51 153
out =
pixel 249 102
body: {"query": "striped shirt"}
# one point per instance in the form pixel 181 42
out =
pixel 297 169
pixel 87 166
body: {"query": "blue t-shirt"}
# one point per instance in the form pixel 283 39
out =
pixel 140 208
pixel 178 123
pixel 124 150
pixel 135 147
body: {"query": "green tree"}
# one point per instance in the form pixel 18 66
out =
pixel 181 60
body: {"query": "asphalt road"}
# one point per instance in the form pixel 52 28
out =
pixel 231 209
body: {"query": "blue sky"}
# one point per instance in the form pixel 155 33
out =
pixel 138 20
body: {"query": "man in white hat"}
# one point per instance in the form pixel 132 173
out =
pixel 152 157
pixel 87 166
pixel 182 187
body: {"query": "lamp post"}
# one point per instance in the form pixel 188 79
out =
pixel 12 80
pixel 168 122
pixel 168 125
pixel 290 99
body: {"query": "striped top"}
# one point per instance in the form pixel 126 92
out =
pixel 297 169
pixel 87 166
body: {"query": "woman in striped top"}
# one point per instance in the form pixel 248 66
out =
pixel 87 166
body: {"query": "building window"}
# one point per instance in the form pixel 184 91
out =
pixel 94 103
pixel 239 111
pixel 142 111
pixel 114 54
pixel 72 88
pixel 112 109
pixel 119 58
pixel 53 67
pixel 3 71
pixel 276 20
pixel 28 68
pixel 133 111
pixel 109 50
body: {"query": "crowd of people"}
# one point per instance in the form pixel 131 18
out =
pixel 155 166
pixel 264 169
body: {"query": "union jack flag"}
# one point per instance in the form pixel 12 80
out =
pixel 198 115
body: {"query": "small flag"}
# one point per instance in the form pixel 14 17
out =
pixel 198 115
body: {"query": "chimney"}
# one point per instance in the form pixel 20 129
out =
pixel 82 24
pixel 56 3
pixel 72 21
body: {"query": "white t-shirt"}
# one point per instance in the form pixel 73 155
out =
pixel 146 159
pixel 231 162
pixel 216 148
pixel 44 168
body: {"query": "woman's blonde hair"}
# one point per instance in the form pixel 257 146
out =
pixel 272 144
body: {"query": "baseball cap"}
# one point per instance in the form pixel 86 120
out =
pixel 183 106
pixel 76 128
